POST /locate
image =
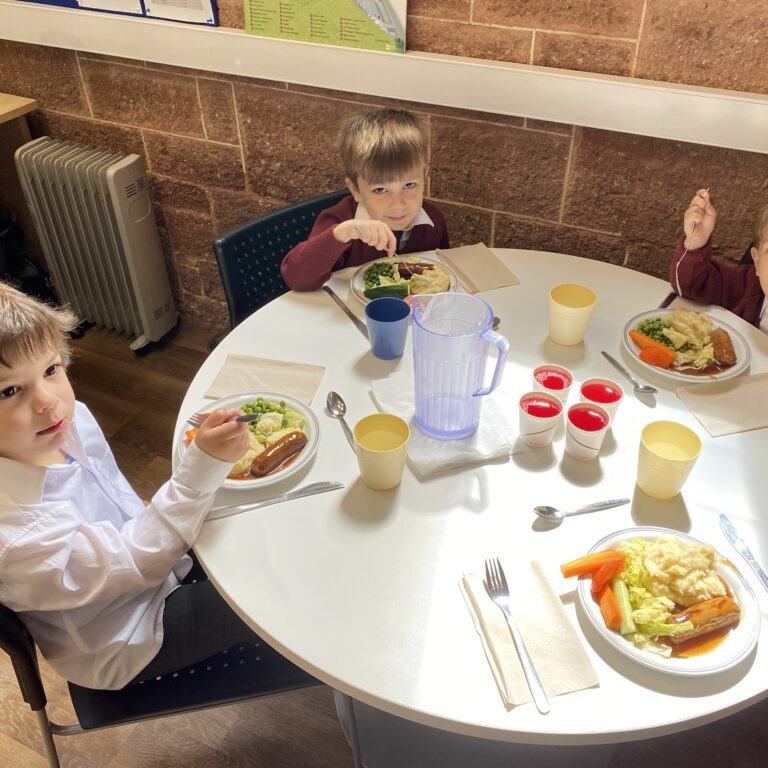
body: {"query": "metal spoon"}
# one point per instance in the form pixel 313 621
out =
pixel 555 516
pixel 337 408
pixel 640 389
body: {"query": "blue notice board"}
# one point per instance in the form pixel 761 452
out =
pixel 187 11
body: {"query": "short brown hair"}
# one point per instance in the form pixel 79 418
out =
pixel 761 223
pixel 383 145
pixel 29 328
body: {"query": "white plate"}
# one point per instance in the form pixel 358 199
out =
pixel 311 430
pixel 740 347
pixel 358 280
pixel 737 644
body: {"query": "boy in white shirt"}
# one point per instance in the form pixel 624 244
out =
pixel 94 573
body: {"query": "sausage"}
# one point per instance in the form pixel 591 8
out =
pixel 406 270
pixel 707 616
pixel 277 454
pixel 722 347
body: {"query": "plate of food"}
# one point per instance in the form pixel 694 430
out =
pixel 667 601
pixel 402 276
pixel 686 346
pixel 282 440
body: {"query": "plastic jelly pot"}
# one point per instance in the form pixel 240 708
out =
pixel 452 337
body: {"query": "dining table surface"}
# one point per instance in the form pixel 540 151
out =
pixel 361 587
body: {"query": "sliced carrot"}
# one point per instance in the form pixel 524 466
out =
pixel 609 607
pixel 646 342
pixel 587 565
pixel 605 573
pixel 189 436
pixel 653 356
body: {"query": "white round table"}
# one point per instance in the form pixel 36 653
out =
pixel 360 587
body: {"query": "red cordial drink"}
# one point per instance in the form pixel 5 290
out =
pixel 552 379
pixel 600 393
pixel 587 418
pixel 540 407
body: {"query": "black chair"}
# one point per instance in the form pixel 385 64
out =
pixel 244 672
pixel 250 255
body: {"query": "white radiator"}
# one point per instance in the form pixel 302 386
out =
pixel 94 217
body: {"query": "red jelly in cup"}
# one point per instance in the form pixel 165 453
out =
pixel 540 407
pixel 587 418
pixel 603 392
pixel 540 414
pixel 553 379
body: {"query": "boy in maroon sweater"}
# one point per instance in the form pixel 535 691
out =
pixel 385 162
pixel 741 288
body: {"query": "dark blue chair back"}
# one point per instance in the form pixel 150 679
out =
pixel 250 255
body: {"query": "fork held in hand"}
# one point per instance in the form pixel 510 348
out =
pixel 197 419
pixel 496 584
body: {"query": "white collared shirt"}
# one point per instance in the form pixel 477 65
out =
pixel 763 325
pixel 422 217
pixel 86 565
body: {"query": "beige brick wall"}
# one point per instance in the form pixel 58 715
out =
pixel 221 149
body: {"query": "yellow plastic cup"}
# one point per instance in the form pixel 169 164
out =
pixel 382 446
pixel 668 451
pixel 570 310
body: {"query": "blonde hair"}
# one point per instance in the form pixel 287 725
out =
pixel 383 145
pixel 29 328
pixel 761 224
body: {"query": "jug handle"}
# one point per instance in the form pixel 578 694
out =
pixel 502 345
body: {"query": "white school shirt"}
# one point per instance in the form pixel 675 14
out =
pixel 763 321
pixel 422 217
pixel 86 564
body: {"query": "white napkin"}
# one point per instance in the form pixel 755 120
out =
pixel 549 636
pixel 494 437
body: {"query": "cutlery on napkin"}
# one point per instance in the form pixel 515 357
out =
pixel 241 373
pixel 495 436
pixel 551 640
pixel 730 406
pixel 477 267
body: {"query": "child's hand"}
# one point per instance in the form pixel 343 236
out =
pixel 699 220
pixel 370 231
pixel 221 438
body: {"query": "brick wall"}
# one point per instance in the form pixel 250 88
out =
pixel 221 149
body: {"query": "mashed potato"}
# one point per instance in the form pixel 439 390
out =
pixel 254 449
pixel 683 571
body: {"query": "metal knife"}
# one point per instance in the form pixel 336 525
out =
pixel 359 324
pixel 742 549
pixel 308 490
pixel 670 297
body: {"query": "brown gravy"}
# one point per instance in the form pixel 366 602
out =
pixel 698 646
pixel 711 370
pixel 248 476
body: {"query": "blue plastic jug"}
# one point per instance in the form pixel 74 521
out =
pixel 451 339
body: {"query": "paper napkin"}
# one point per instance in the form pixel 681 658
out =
pixel 241 373
pixel 554 646
pixel 730 406
pixel 477 268
pixel 494 437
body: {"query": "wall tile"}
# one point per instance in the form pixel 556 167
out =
pixel 231 14
pixel 200 162
pixel 288 158
pixel 639 187
pixel 585 54
pixel 111 59
pixel 466 226
pixel 513 232
pixel 92 132
pixel 505 169
pixel 459 39
pixel 49 75
pixel 546 125
pixel 218 106
pixel 231 209
pixel 722 45
pixel 178 194
pixel 619 18
pixel 438 9
pixel 143 97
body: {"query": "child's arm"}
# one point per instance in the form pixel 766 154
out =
pixel 59 555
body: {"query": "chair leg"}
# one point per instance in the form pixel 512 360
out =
pixel 354 741
pixel 45 732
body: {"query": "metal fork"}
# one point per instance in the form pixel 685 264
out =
pixel 197 419
pixel 496 584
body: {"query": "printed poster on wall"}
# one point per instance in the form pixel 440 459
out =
pixel 377 25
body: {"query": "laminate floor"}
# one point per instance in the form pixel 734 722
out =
pixel 135 399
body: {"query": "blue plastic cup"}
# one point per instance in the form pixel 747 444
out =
pixel 387 320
